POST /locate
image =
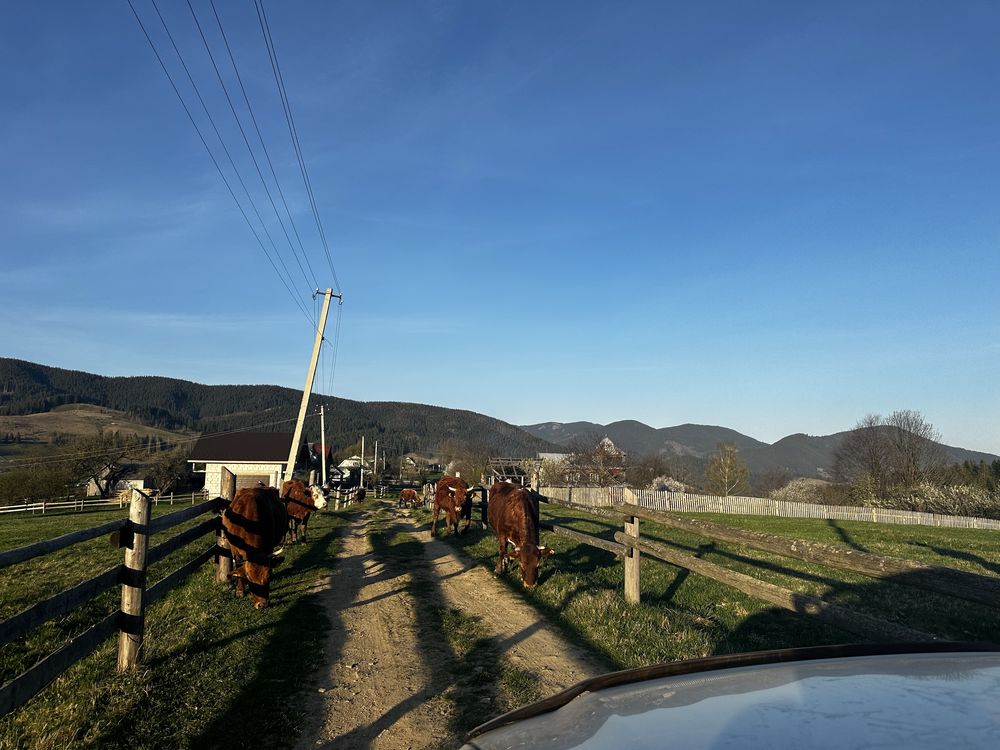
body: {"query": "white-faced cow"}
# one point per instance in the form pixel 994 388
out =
pixel 513 514
pixel 450 496
pixel 254 524
pixel 300 500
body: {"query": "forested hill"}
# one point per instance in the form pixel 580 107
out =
pixel 29 388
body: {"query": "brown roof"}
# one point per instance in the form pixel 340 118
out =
pixel 243 447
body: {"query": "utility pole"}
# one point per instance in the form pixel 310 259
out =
pixel 375 463
pixel 362 461
pixel 322 442
pixel 307 391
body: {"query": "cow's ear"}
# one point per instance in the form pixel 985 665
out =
pixel 545 551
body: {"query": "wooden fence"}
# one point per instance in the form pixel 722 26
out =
pixel 757 506
pixel 83 503
pixel 630 545
pixel 132 535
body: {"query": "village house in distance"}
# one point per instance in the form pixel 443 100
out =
pixel 252 456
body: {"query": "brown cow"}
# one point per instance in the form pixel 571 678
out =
pixel 450 496
pixel 300 500
pixel 513 515
pixel 408 498
pixel 254 524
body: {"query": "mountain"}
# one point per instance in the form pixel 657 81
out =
pixel 640 439
pixel 798 454
pixel 171 404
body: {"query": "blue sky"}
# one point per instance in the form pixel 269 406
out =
pixel 773 216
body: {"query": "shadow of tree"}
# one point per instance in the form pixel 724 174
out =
pixel 845 537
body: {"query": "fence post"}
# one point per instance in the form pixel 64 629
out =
pixel 43 507
pixel 223 555
pixel 131 617
pixel 632 562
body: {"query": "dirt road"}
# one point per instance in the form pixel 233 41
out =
pixel 386 680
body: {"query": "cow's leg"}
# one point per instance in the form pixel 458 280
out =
pixel 305 523
pixel 437 510
pixel 501 559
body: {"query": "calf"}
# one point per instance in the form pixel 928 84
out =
pixel 300 501
pixel 408 498
pixel 254 524
pixel 451 497
pixel 513 514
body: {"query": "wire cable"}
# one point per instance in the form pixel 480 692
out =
pixel 211 155
pixel 62 457
pixel 246 140
pixel 293 133
pixel 260 137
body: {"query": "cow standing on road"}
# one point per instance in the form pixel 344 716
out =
pixel 513 514
pixel 451 497
pixel 254 524
pixel 408 498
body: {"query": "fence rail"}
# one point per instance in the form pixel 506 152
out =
pixel 758 506
pixel 630 544
pixel 132 534
pixel 83 503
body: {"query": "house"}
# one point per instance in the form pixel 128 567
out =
pixel 132 481
pixel 251 456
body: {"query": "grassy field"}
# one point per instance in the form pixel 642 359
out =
pixel 475 680
pixel 684 615
pixel 209 657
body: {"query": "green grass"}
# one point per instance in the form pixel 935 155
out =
pixel 211 659
pixel 475 680
pixel 683 615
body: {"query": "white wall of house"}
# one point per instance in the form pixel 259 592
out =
pixel 213 474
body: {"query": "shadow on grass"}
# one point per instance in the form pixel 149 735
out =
pixel 961 555
pixel 844 536
pixel 260 712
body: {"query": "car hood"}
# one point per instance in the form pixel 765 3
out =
pixel 912 701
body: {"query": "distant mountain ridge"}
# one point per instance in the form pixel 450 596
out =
pixel 798 454
pixel 169 403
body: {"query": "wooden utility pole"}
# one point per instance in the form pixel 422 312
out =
pixel 322 442
pixel 362 480
pixel 375 462
pixel 307 391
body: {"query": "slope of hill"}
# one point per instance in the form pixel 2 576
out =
pixel 640 439
pixel 170 404
pixel 798 454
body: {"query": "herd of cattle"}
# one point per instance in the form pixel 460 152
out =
pixel 260 519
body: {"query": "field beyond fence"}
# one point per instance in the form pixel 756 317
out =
pixel 683 502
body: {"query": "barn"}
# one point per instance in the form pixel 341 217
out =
pixel 251 456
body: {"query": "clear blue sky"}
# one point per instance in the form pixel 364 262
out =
pixel 772 216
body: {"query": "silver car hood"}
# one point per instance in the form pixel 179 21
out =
pixel 911 701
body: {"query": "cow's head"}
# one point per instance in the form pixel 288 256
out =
pixel 318 498
pixel 529 555
pixel 258 579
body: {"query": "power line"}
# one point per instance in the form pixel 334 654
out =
pixel 246 140
pixel 246 98
pixel 24 463
pixel 293 133
pixel 211 155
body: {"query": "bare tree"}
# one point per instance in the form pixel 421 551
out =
pixel 726 473
pixel 601 464
pixel 169 468
pixel 102 459
pixel 864 452
pixel 915 447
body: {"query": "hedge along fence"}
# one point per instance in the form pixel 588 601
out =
pixel 757 506
pixel 133 535
pixel 630 545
